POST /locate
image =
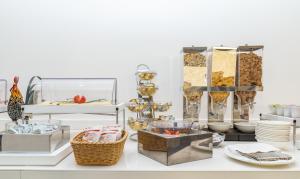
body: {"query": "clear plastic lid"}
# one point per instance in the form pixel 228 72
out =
pixel 64 90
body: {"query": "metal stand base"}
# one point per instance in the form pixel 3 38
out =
pixel 133 137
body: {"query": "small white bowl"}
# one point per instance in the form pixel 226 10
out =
pixel 298 145
pixel 295 111
pixel 219 126
pixel 246 127
pixel 272 109
pixel 287 110
pixel 280 110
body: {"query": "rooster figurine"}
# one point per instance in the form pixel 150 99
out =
pixel 14 107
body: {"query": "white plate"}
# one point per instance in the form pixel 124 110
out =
pixel 269 131
pixel 235 155
pixel 273 127
pixel 272 134
pixel 275 139
pixel 273 131
pixel 274 123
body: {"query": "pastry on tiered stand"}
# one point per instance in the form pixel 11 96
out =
pixel 144 106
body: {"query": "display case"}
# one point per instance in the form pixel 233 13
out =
pixel 195 66
pixel 73 95
pixel 3 95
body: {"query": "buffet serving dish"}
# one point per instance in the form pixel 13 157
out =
pixel 246 127
pixel 34 142
pixel 148 89
pixel 73 96
pixel 136 124
pixel 145 74
pixel 171 150
pixel 174 142
pixel 219 126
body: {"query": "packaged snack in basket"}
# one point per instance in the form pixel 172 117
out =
pixel 109 136
pixel 103 134
pixel 92 135
pixel 112 128
pixel 95 128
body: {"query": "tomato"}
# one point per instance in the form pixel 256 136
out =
pixel 77 99
pixel 82 99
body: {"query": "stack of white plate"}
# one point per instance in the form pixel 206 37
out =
pixel 273 131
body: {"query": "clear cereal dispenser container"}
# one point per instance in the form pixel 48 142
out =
pixel 250 67
pixel 195 68
pixel 221 81
pixel 249 81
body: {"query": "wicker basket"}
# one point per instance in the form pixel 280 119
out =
pixel 104 154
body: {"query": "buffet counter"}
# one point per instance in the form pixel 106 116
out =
pixel 134 165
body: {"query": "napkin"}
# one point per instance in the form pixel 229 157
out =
pixel 260 152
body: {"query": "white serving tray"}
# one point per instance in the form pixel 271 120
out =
pixel 3 108
pixel 31 159
pixel 73 109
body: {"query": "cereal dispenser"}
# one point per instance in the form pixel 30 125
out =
pixel 249 81
pixel 221 80
pixel 195 80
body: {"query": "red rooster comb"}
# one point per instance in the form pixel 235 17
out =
pixel 16 79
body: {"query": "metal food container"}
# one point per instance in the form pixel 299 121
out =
pixel 34 143
pixel 171 150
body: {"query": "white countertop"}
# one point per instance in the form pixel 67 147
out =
pixel 133 162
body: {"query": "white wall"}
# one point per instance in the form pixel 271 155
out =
pixel 108 38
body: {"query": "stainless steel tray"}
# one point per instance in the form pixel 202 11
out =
pixel 34 143
pixel 177 149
